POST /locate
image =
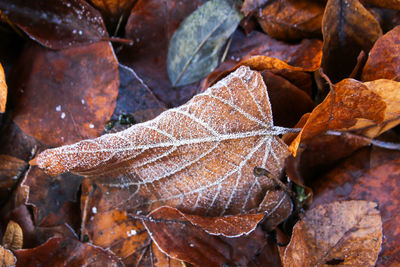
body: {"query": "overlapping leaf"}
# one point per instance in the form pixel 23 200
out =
pixel 3 90
pixel 199 157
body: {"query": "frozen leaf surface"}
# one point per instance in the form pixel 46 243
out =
pixel 199 157
pixel 195 47
pixel 347 233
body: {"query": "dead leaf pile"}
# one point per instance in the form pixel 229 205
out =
pixel 205 133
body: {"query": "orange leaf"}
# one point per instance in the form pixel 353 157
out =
pixel 13 237
pixel 3 91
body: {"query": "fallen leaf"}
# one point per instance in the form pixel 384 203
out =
pixel 213 149
pixel 269 63
pixel 291 20
pixel 194 49
pixel 13 238
pixel 393 4
pixel 3 90
pixel 11 169
pixel 113 10
pixel 345 233
pixel 347 28
pixel 75 21
pixel 151 25
pixel 351 101
pixel 181 239
pixel 60 251
pixel 72 92
pixel 250 6
pixel 370 174
pixel 384 59
pixel 7 258
pixel 135 98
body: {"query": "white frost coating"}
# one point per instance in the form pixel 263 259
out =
pixel 131 233
pixel 229 124
pixel 58 108
pixel 62 116
pixel 94 210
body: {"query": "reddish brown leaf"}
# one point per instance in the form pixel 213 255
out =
pixel 199 157
pixel 13 238
pixel 393 4
pixel 269 63
pixel 347 28
pixel 3 90
pixel 292 19
pixel 384 59
pixel 151 24
pixel 72 92
pixel 11 169
pixel 113 10
pixel 75 22
pixel 371 174
pixel 6 257
pixel 250 6
pixel 180 238
pixel 351 100
pixel 66 252
pixel 347 233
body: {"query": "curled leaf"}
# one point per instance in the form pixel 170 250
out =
pixel 6 257
pixel 195 47
pixel 3 90
pixel 13 237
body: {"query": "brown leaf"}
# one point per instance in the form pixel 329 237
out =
pixel 351 100
pixel 292 19
pixel 113 9
pixel 180 238
pixel 3 90
pixel 10 170
pixel 151 25
pixel 384 59
pixel 393 4
pixel 72 92
pixel 347 233
pixel 6 257
pixel 60 251
pixel 269 63
pixel 13 237
pixel 199 157
pixel 347 28
pixel 56 25
pixel 370 174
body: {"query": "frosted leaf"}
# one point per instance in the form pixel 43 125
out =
pixel 198 158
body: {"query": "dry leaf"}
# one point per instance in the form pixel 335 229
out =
pixel 10 170
pixel 393 4
pixel 384 59
pixel 292 19
pixel 370 174
pixel 59 251
pixel 113 9
pixel 253 5
pixel 351 100
pixel 6 258
pixel 340 233
pixel 72 92
pixel 199 157
pixel 184 239
pixel 347 28
pixel 269 63
pixel 3 90
pixel 13 237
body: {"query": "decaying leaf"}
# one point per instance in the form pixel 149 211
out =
pixel 292 19
pixel 369 108
pixel 253 5
pixel 183 239
pixel 61 251
pixel 194 49
pixel 345 233
pixel 199 157
pixel 370 174
pixel 3 90
pixel 6 257
pixel 75 21
pixel 69 99
pixel 10 170
pixel 384 59
pixel 347 28
pixel 113 9
pixel 13 237
pixel 393 4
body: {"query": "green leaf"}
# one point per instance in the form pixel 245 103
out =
pixel 195 46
